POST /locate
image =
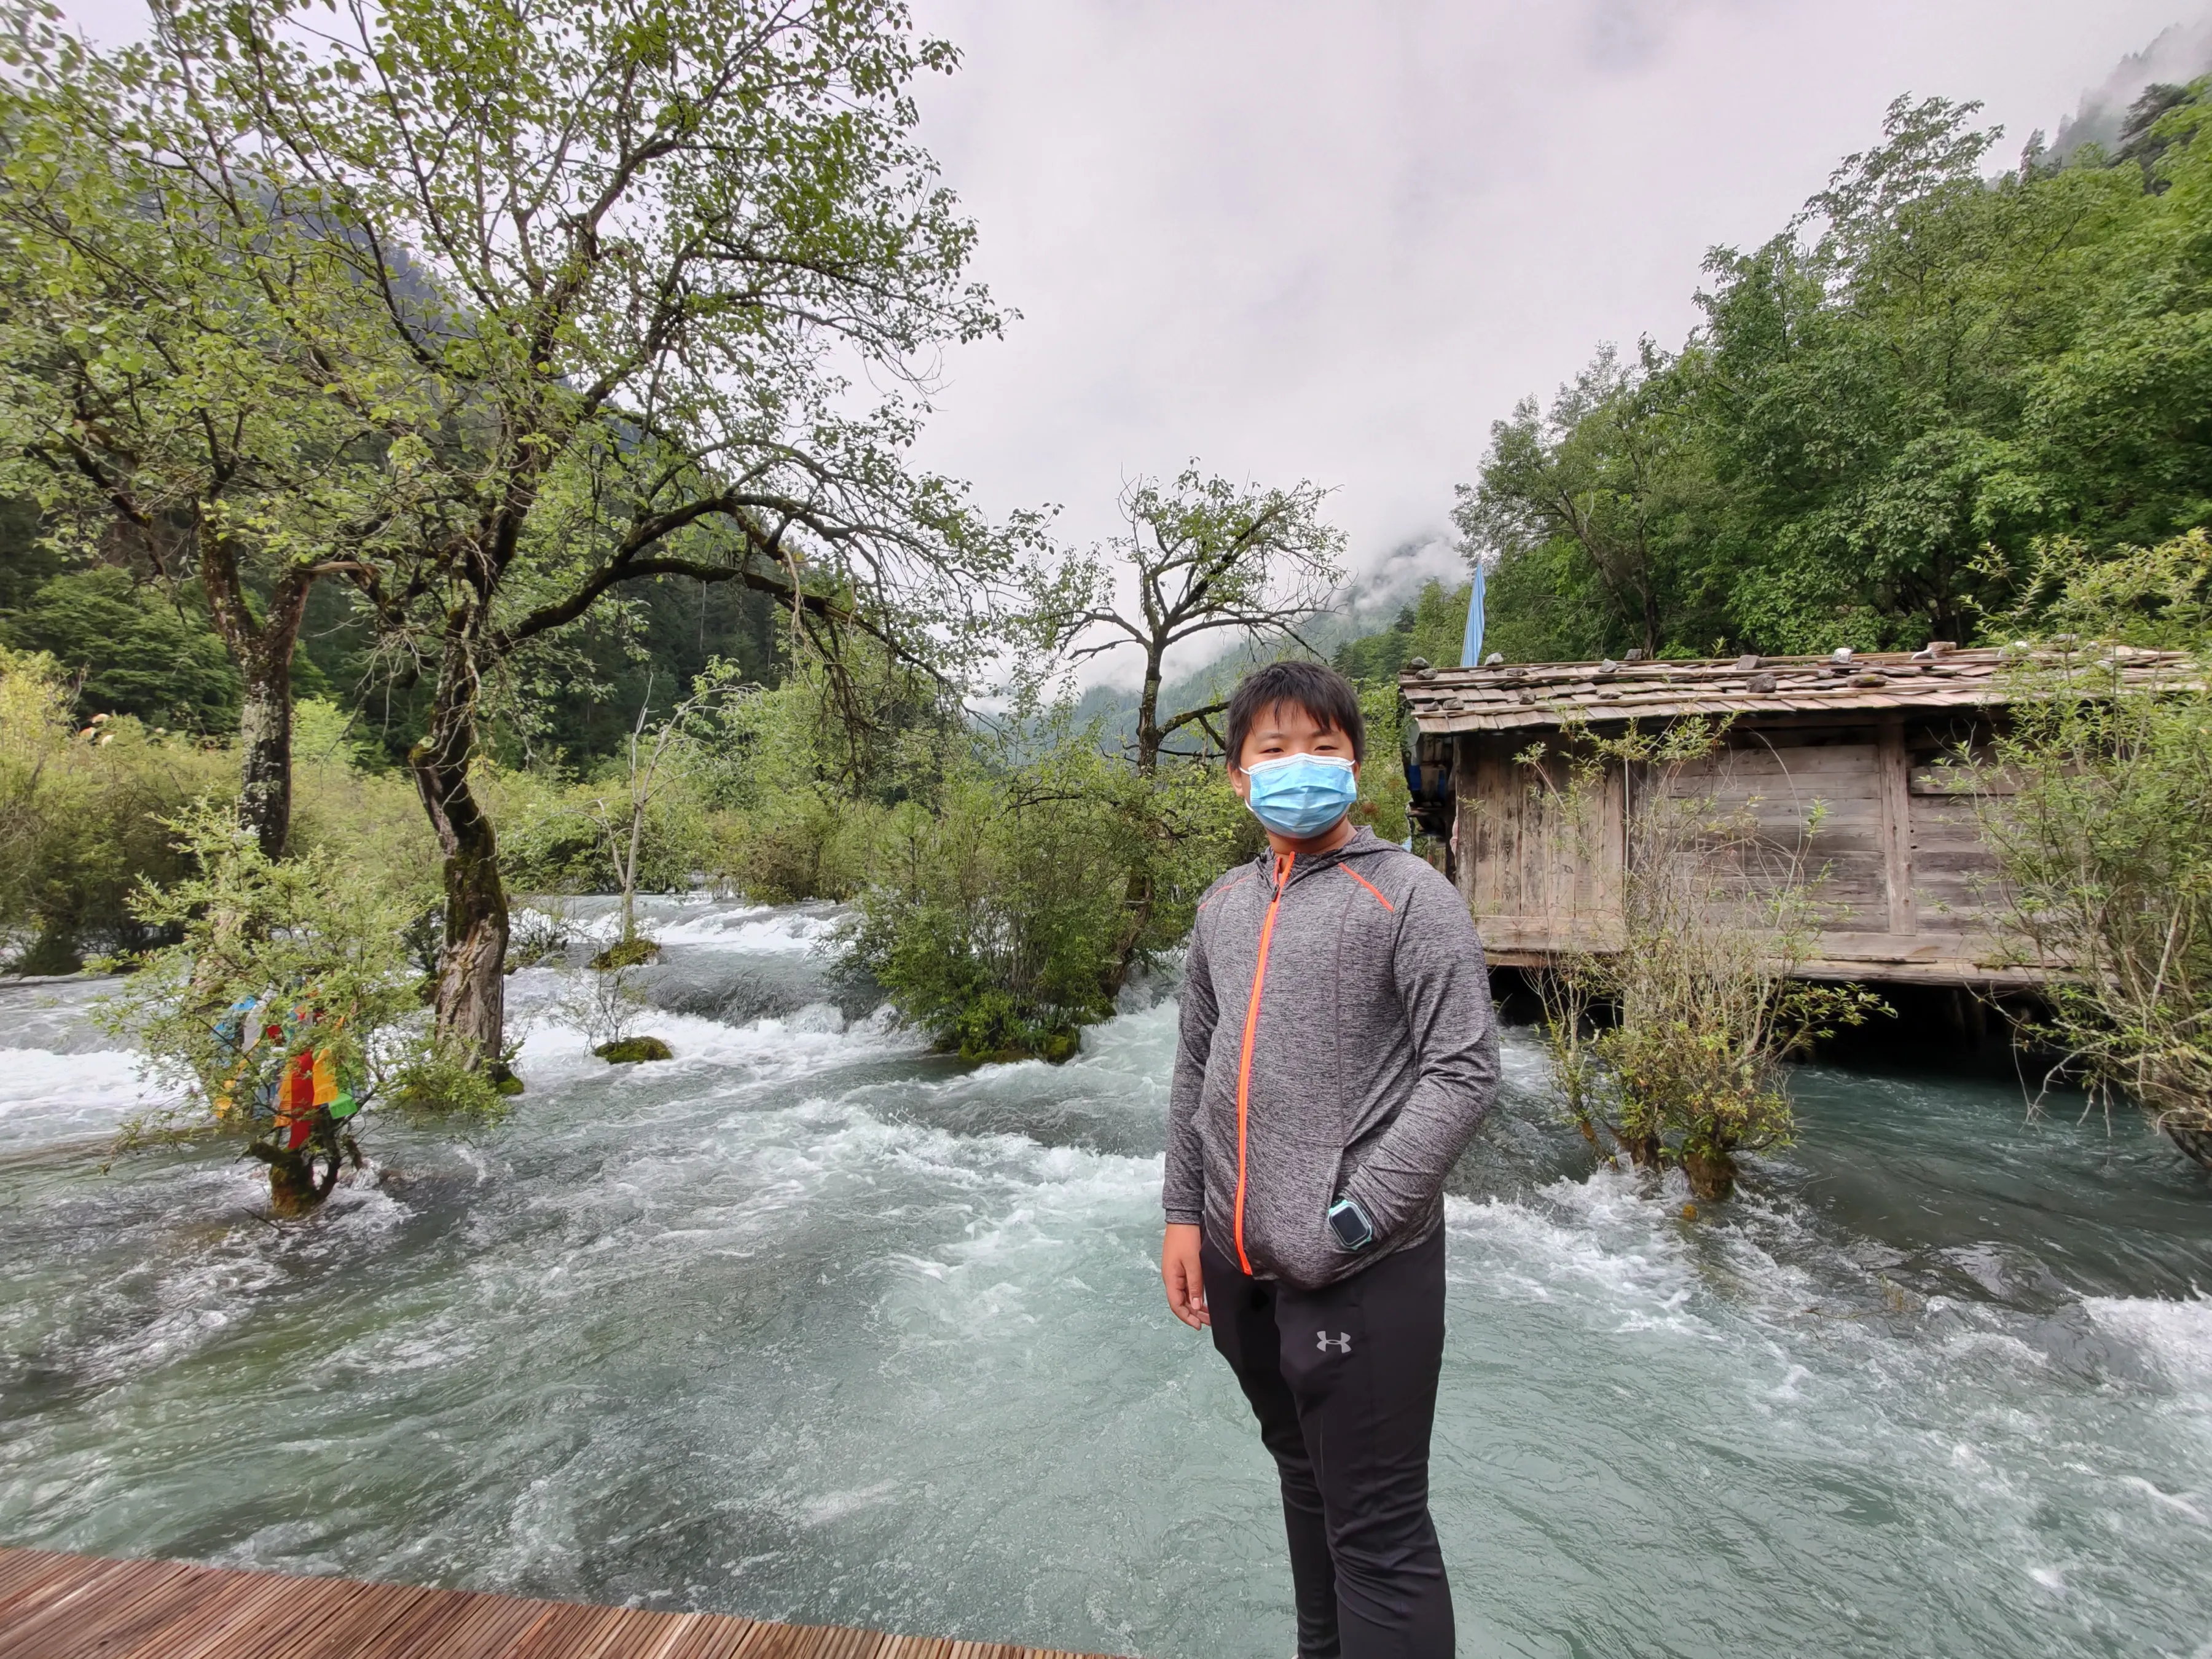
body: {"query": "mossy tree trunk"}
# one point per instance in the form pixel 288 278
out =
pixel 264 740
pixel 1712 1174
pixel 471 998
pixel 262 646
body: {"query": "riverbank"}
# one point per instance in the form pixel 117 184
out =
pixel 810 1324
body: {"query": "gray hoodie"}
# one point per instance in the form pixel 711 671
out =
pixel 1337 1042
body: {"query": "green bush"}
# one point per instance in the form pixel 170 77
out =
pixel 81 814
pixel 2098 803
pixel 85 814
pixel 1698 978
pixel 134 651
pixel 285 1008
pixel 1001 915
pixel 993 910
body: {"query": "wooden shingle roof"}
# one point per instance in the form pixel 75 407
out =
pixel 1523 694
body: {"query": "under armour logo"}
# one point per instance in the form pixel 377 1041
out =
pixel 1341 1342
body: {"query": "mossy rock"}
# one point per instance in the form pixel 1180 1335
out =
pixel 635 954
pixel 631 1050
pixel 503 1080
pixel 1054 1048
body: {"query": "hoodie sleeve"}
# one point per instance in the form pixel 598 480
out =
pixel 1444 986
pixel 1184 1192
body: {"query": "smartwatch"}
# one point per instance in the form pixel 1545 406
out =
pixel 1350 1225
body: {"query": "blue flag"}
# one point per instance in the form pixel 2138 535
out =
pixel 1470 655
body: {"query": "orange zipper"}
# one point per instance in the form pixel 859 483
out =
pixel 1251 1028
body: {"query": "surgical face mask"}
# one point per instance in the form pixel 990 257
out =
pixel 1301 795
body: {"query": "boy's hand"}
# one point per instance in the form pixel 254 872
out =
pixel 1179 1271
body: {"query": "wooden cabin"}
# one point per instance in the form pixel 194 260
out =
pixel 1854 744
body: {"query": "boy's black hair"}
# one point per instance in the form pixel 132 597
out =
pixel 1323 693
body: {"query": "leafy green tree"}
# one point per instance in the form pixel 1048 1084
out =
pixel 1432 627
pixel 625 266
pixel 1202 556
pixel 185 385
pixel 1596 487
pixel 1886 406
pixel 2100 818
pixel 1868 381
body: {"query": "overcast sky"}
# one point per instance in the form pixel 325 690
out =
pixel 1336 240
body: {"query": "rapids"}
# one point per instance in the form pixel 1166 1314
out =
pixel 810 1324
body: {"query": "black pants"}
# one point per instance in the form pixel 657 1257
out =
pixel 1343 1382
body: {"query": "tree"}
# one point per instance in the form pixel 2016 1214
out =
pixel 1432 627
pixel 136 650
pixel 176 343
pixel 1204 556
pixel 2097 801
pixel 1927 366
pixel 1717 912
pixel 626 262
pixel 1867 373
pixel 284 1009
pixel 649 769
pixel 1598 477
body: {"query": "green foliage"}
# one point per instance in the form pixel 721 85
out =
pixel 1432 627
pixel 804 776
pixel 82 817
pixel 1698 980
pixel 1384 800
pixel 131 650
pixel 993 909
pixel 1887 406
pixel 1595 489
pixel 995 915
pixel 284 1009
pixel 2097 802
pixel 84 814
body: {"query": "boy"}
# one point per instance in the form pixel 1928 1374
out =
pixel 1337 1055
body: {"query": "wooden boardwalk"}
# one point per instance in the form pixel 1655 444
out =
pixel 77 1607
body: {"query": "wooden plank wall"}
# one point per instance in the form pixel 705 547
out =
pixel 77 1607
pixel 1532 858
pixel 1902 873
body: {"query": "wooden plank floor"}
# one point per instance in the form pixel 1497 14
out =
pixel 78 1607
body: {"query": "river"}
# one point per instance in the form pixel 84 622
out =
pixel 810 1324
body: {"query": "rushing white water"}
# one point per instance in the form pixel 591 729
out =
pixel 808 1323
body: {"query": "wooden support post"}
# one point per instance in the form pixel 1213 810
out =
pixel 1897 826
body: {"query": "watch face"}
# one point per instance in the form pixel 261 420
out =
pixel 1349 1226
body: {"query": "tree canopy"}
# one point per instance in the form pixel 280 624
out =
pixel 1887 407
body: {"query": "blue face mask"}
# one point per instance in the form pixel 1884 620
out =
pixel 1301 795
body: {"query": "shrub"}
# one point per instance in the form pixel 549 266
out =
pixel 132 649
pixel 1671 1036
pixel 85 814
pixel 2097 801
pixel 285 1008
pixel 81 812
pixel 997 914
pixel 993 913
